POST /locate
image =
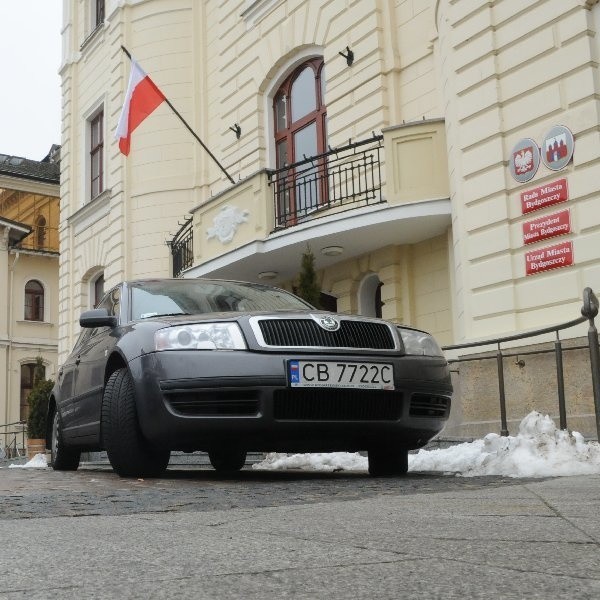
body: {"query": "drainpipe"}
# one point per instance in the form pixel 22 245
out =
pixel 9 315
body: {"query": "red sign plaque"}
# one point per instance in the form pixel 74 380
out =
pixel 544 195
pixel 546 227
pixel 551 257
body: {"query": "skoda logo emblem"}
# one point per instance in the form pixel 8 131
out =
pixel 329 323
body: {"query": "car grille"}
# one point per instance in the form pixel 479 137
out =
pixel 425 405
pixel 232 403
pixel 302 333
pixel 337 405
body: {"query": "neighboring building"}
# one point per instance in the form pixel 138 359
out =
pixel 386 135
pixel 29 217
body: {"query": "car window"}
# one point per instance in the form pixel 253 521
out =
pixel 84 335
pixel 155 298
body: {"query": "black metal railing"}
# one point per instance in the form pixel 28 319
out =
pixel 342 176
pixel 182 248
pixel 13 439
pixel 589 311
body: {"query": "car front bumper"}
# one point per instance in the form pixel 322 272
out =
pixel 197 400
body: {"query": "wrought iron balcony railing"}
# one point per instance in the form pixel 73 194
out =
pixel 343 176
pixel 182 248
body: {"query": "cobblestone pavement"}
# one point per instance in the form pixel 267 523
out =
pixel 96 490
pixel 270 535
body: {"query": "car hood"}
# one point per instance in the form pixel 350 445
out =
pixel 227 316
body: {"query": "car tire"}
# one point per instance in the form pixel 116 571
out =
pixel 62 458
pixel 388 462
pixel 129 453
pixel 227 460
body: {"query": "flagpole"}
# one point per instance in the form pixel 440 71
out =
pixel 189 128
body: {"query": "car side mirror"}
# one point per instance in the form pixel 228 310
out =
pixel 98 317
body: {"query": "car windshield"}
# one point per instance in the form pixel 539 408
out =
pixel 158 298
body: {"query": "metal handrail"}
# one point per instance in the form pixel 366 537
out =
pixel 11 448
pixel 589 311
pixel 518 336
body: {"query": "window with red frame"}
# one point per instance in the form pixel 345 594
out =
pixel 96 154
pixel 300 115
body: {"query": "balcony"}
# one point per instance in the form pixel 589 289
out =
pixel 41 239
pixel 182 249
pixel 37 213
pixel 310 188
pixel 386 190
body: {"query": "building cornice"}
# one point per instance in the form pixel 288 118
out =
pixel 28 252
pixel 31 185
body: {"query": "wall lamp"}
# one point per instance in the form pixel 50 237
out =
pixel 332 250
pixel 237 130
pixel 268 275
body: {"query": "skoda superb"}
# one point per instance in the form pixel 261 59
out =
pixel 229 367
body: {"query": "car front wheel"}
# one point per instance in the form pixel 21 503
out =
pixel 62 458
pixel 227 460
pixel 388 462
pixel 129 453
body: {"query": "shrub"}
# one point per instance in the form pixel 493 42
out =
pixel 308 286
pixel 38 403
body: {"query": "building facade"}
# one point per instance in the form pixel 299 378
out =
pixel 29 218
pixel 439 158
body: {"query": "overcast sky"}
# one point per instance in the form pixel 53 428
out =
pixel 30 48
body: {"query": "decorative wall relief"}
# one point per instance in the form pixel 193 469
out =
pixel 226 223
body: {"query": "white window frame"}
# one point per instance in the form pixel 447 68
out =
pixel 46 299
pixel 89 116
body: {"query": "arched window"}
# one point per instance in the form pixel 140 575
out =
pixel 369 296
pixel 300 115
pixel 34 301
pixel 27 381
pixel 40 232
pixel 97 289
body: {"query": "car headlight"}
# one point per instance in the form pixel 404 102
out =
pixel 205 336
pixel 420 343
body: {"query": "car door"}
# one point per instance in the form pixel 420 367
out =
pixel 66 384
pixel 90 369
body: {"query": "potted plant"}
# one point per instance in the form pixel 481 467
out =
pixel 38 411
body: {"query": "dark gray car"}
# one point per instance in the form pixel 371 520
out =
pixel 229 367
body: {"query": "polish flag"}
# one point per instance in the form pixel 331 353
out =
pixel 142 98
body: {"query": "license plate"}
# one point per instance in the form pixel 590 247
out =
pixel 337 374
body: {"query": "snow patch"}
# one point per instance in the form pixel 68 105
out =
pixel 538 450
pixel 37 462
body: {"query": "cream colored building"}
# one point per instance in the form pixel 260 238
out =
pixel 408 116
pixel 29 216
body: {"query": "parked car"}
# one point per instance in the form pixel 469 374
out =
pixel 229 367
